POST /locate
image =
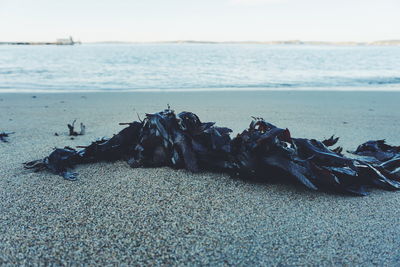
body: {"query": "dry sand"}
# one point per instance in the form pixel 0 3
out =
pixel 117 215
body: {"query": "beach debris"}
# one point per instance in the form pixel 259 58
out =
pixel 262 152
pixel 71 128
pixel 4 135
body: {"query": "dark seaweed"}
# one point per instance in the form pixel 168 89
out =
pixel 71 128
pixel 377 149
pixel 3 136
pixel 263 152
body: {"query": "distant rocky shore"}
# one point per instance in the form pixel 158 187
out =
pixel 287 42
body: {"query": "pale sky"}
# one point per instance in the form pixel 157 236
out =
pixel 209 20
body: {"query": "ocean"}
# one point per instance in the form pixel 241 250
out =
pixel 186 67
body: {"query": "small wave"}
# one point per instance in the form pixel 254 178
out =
pixel 320 83
pixel 22 71
pixel 380 81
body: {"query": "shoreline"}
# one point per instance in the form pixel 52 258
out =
pixel 382 89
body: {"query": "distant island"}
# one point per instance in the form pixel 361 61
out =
pixel 70 41
pixel 62 41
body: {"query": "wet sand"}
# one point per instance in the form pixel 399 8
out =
pixel 117 215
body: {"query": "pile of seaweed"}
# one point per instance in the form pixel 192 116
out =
pixel 263 152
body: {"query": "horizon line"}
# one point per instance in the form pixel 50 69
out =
pixel 395 42
pixel 289 41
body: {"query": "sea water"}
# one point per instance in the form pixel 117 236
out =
pixel 166 67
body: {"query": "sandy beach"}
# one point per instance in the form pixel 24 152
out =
pixel 115 214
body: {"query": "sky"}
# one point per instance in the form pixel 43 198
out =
pixel 207 20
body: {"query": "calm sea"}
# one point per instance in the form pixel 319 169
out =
pixel 100 67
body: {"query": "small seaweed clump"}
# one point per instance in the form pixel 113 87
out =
pixel 4 135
